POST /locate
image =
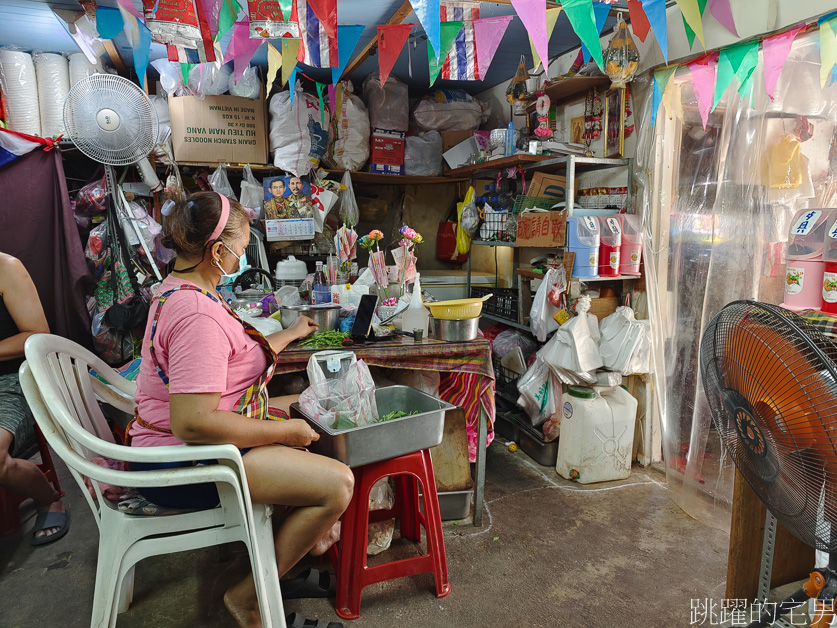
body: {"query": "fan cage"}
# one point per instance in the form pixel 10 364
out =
pixel 136 135
pixel 771 385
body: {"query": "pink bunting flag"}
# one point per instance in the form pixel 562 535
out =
pixel 130 8
pixel 776 50
pixel 722 11
pixel 488 32
pixel 241 48
pixel 533 15
pixel 703 71
pixel 332 97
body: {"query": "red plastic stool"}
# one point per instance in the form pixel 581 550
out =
pixel 10 501
pixel 348 556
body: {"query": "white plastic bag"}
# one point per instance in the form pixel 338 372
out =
pixel 540 316
pixel 297 137
pixel 575 344
pixel 494 224
pixel 389 106
pixel 540 392
pixel 348 145
pixel 171 77
pixel 349 212
pixel 448 110
pixel 220 183
pixel 380 533
pixel 625 342
pixel 252 194
pixel 340 399
pixel 207 79
pixel 248 86
pixel 423 154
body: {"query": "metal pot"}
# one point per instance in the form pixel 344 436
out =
pixel 327 316
pixel 455 329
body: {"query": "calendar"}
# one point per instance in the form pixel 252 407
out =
pixel 289 229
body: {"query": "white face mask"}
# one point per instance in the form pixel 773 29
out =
pixel 242 264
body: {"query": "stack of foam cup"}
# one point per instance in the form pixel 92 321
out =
pixel 53 74
pixel 80 68
pixel 20 89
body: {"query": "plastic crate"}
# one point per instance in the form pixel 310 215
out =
pixel 505 380
pixel 523 202
pixel 503 304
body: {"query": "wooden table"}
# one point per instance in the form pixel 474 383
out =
pixel 470 359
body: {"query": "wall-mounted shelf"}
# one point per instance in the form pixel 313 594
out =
pixel 563 91
pixel 617 278
pixel 492 243
pixel 484 167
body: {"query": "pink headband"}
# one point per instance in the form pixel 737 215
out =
pixel 222 220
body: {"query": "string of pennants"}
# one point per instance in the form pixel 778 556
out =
pixel 460 43
pixel 714 72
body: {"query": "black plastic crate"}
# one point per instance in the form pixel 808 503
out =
pixel 502 304
pixel 505 380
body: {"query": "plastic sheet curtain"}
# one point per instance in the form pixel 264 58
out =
pixel 716 205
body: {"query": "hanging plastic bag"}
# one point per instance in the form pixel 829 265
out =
pixel 220 183
pixel 540 392
pixel 349 212
pixel 171 76
pixel 252 193
pixel 463 240
pixel 248 86
pixel 575 344
pixel 206 79
pixel 516 88
pixel 540 316
pixel 625 342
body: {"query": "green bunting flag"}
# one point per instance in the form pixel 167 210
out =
pixel 447 35
pixel 583 21
pixel 229 13
pixel 690 34
pixel 734 58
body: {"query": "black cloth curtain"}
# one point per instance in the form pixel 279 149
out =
pixel 38 228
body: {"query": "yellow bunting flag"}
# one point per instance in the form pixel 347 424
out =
pixel 691 13
pixel 290 48
pixel 551 20
pixel 274 62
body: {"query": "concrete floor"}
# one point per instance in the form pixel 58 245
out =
pixel 551 553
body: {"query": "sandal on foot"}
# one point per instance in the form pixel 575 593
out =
pixel 310 583
pixel 297 620
pixel 50 519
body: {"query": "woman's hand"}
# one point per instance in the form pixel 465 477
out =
pixel 298 433
pixel 303 326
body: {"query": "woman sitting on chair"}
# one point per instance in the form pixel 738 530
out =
pixel 21 315
pixel 203 380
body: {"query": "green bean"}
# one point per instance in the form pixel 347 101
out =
pixel 396 414
pixel 325 340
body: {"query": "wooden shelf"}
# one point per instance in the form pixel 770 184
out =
pixel 560 92
pixel 521 159
pixel 492 243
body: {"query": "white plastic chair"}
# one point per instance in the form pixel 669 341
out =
pixel 61 392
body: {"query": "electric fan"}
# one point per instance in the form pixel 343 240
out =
pixel 112 121
pixel 770 379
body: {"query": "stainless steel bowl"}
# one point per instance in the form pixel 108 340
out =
pixel 455 329
pixel 326 316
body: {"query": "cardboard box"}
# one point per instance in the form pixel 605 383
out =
pixel 219 128
pixel 550 186
pixel 452 138
pixel 386 169
pixel 387 154
pixel 536 229
pixel 289 229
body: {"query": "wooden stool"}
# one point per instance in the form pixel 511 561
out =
pixel 348 556
pixel 10 501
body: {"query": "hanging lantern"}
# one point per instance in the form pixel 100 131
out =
pixel 621 58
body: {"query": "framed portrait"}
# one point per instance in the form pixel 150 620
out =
pixel 287 197
pixel 577 130
pixel 614 126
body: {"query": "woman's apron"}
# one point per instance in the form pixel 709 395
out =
pixel 254 403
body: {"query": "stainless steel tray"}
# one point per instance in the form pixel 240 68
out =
pixel 380 441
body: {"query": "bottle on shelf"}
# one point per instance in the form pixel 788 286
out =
pixel 416 315
pixel 320 290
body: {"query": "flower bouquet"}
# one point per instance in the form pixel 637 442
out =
pixel 377 263
pixel 405 259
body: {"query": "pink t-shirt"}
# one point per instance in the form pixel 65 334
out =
pixel 202 349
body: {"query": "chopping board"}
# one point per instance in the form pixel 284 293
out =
pixel 450 458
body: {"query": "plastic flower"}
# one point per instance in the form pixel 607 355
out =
pixel 376 235
pixel 366 243
pixel 418 239
pixel 408 233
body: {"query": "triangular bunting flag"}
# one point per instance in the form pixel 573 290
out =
pixel 744 74
pixel 391 38
pixel 656 12
pixel 109 22
pixel 128 5
pixel 274 63
pixel 639 21
pixel 722 11
pixel 332 99
pixel 583 20
pixel 488 33
pixel 241 48
pixel 326 12
pixel 347 38
pixel 139 37
pixel 212 11
pixel 320 88
pixel 290 48
pixel 600 10
pixel 551 19
pixel 185 69
pixel 703 80
pixel 533 15
pixel 775 50
pixel 828 50
pixel 427 12
pixel 692 16
pixel 661 80
pixel 292 81
pixel 226 18
pixel 690 34
pixel 447 35
pixel 729 63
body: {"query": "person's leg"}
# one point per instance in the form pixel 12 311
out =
pixel 283 402
pixel 24 477
pixel 318 488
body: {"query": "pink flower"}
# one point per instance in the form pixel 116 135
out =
pixel 408 233
pixel 376 235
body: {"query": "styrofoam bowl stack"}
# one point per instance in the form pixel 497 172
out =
pixel 21 91
pixel 53 74
pixel 80 68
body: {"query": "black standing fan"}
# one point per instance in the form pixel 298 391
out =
pixel 771 382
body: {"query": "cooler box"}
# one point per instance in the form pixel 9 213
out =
pixel 610 228
pixel 583 239
pixel 631 252
pixel 804 269
pixel 829 256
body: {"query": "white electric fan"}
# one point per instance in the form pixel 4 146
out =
pixel 112 121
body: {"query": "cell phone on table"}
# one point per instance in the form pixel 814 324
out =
pixel 363 318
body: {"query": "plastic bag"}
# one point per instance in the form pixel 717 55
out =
pixel 540 392
pixel 625 342
pixel 348 145
pixel 171 76
pixel 552 428
pixel 448 110
pixel 540 316
pixel 220 183
pixel 494 225
pixel 207 79
pixel 575 345
pixel 248 86
pixel 470 219
pixel 340 400
pixel 516 88
pixel 423 154
pixel 511 339
pixel 252 194
pixel 463 240
pixel 349 212
pixel 389 105
pixel 297 137
pixel 380 533
pixel 91 198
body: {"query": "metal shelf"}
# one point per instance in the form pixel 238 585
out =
pixel 617 278
pixel 503 395
pixel 585 163
pixel 506 321
pixel 492 243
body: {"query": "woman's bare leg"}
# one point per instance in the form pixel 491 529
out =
pixel 318 488
pixel 284 402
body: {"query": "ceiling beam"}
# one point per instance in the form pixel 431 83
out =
pixel 397 18
pixel 114 56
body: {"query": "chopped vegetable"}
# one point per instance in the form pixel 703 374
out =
pixel 325 340
pixel 396 414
